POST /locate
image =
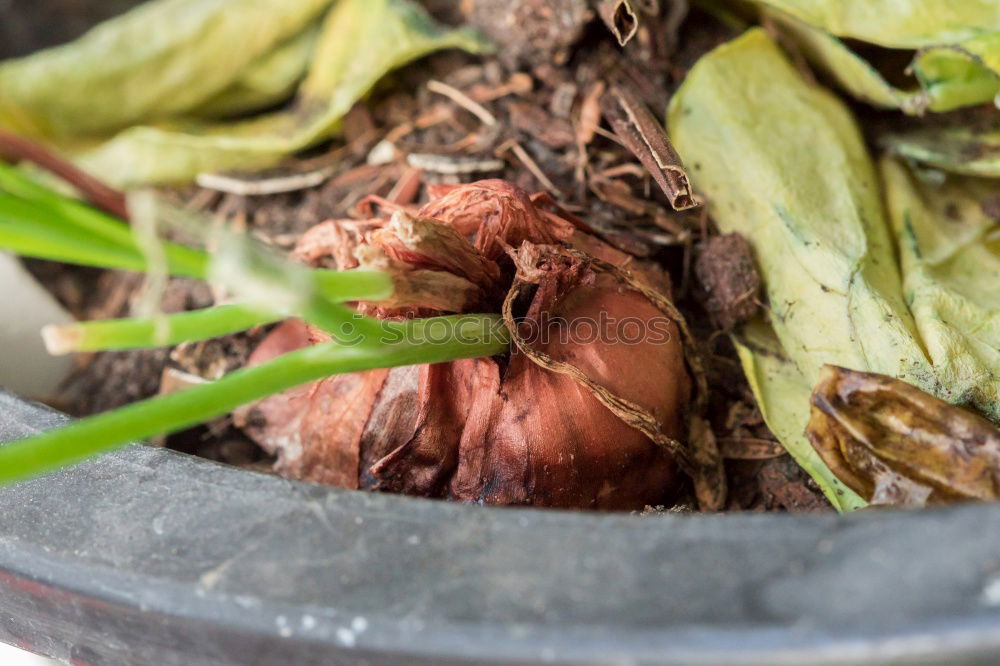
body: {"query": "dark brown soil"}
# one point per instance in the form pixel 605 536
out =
pixel 727 275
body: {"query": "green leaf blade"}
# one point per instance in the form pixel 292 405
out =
pixel 474 336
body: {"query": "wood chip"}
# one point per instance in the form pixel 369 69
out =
pixel 264 186
pixel 590 114
pixel 535 122
pixel 529 163
pixel 449 164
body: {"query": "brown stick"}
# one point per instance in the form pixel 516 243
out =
pixel 643 135
pixel 14 148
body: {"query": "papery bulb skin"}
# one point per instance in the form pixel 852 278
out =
pixel 491 430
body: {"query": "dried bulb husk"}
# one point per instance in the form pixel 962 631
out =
pixel 331 244
pixel 315 430
pixel 429 243
pixel 417 289
pixel 495 430
pixel 895 444
pixel 500 216
pixel 528 435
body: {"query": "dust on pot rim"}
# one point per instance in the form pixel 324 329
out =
pixel 151 556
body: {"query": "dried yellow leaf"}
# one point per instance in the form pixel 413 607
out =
pixel 783 163
pixel 895 444
pixel 359 42
pixel 961 150
pixel 162 59
pixel 957 59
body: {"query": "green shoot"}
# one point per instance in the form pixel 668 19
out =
pixel 36 222
pixel 140 333
pixel 45 230
pixel 470 336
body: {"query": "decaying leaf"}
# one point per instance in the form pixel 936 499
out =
pixel 852 72
pixel 813 217
pixel 360 41
pixel 905 24
pixel 815 221
pixel 159 60
pixel 960 74
pixel 951 279
pixel 957 149
pixel 621 18
pixel 957 47
pixel 895 444
pixel 267 81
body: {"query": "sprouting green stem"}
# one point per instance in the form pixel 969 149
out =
pixel 38 222
pixel 65 212
pixel 33 228
pixel 36 229
pixel 343 323
pixel 168 330
pixel 352 285
pixel 13 181
pixel 173 329
pixel 40 243
pixel 474 336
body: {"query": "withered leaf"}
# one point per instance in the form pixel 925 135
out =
pixel 950 270
pixel 910 297
pixel 964 150
pixel 897 23
pixel 269 80
pixel 782 394
pixel 159 60
pixel 621 18
pixel 160 141
pixel 833 290
pixel 957 57
pixel 895 444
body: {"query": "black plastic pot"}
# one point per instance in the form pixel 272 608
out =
pixel 147 556
pixel 152 557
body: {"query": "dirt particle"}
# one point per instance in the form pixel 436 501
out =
pixel 726 270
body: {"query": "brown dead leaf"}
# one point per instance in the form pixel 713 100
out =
pixel 895 444
pixel 620 17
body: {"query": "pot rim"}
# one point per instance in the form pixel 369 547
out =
pixel 154 556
